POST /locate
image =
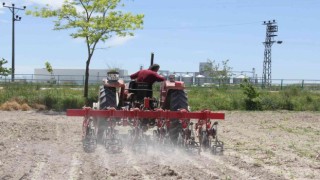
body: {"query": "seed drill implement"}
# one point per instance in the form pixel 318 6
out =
pixel 158 122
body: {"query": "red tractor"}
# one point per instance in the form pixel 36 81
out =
pixel 134 105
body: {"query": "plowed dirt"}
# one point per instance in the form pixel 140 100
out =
pixel 258 145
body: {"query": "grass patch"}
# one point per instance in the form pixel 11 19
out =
pixel 302 151
pixel 61 98
pixel 55 98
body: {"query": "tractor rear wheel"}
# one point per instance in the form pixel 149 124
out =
pixel 178 100
pixel 107 99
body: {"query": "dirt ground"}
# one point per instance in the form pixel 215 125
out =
pixel 258 145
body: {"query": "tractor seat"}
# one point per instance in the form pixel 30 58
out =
pixel 140 89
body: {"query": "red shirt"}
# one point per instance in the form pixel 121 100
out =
pixel 147 76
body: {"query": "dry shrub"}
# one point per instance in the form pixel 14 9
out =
pixel 10 106
pixel 20 100
pixel 13 106
pixel 25 107
pixel 39 107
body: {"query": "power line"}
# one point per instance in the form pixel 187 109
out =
pixel 14 10
pixel 271 29
pixel 201 27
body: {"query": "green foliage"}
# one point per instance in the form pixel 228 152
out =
pixel 48 67
pixel 72 102
pixel 222 74
pixel 54 98
pixel 235 99
pixel 214 99
pixel 252 100
pixel 92 20
pixel 60 99
pixel 4 71
pixel 299 100
pixel 269 102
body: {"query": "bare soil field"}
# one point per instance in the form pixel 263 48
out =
pixel 258 145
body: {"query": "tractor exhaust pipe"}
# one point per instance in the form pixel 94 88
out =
pixel 152 57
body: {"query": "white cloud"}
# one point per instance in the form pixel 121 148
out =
pixel 28 3
pixel 52 3
pixel 113 42
pixel 118 41
pixel 55 4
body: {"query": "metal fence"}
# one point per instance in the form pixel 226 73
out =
pixel 65 80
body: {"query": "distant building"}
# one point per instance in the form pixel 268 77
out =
pixel 187 79
pixel 73 76
pixel 203 68
pixel 239 79
pixel 200 80
pixel 164 73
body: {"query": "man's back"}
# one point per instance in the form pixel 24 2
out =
pixel 147 76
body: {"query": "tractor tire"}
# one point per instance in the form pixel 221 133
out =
pixel 178 100
pixel 107 99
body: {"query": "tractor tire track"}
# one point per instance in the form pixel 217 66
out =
pixel 38 171
pixel 74 171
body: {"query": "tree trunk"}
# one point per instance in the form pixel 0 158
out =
pixel 86 81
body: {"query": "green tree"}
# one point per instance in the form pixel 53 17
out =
pixel 252 100
pixel 214 70
pixel 3 70
pixel 48 67
pixel 93 20
pixel 50 70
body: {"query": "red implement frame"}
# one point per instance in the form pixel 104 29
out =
pixel 137 113
pixel 134 118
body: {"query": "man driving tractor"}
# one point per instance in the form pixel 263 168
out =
pixel 148 75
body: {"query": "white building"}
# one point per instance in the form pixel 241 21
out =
pixel 239 79
pixel 73 76
pixel 203 68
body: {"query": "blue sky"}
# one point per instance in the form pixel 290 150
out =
pixel 181 33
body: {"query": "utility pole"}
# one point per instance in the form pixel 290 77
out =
pixel 272 28
pixel 14 10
